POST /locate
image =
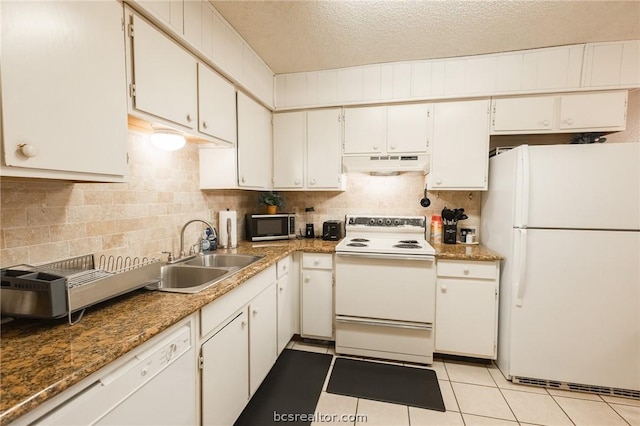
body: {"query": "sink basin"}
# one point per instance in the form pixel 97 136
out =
pixel 189 279
pixel 201 272
pixel 220 260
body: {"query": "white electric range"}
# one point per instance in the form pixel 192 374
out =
pixel 385 289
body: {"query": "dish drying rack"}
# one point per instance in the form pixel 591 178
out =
pixel 85 284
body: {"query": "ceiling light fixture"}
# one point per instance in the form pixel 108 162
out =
pixel 167 139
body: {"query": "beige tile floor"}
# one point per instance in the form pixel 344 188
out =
pixel 478 394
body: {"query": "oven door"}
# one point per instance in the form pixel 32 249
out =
pixel 387 287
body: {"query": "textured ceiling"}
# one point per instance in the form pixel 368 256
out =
pixel 292 36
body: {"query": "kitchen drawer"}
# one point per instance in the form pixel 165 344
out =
pixel 467 269
pixel 283 266
pixel 317 261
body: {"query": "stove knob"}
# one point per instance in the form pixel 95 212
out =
pixel 380 221
pixel 387 222
pixel 372 221
pixel 396 222
pixel 352 221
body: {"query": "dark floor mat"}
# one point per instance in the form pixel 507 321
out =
pixel 291 388
pixel 417 387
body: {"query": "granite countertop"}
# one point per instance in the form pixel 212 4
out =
pixel 465 252
pixel 41 358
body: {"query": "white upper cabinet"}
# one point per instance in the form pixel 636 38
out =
pixel 164 76
pixel 307 150
pixel 593 111
pixel 365 130
pixel 460 147
pixel 255 151
pixel 216 105
pixel 324 134
pixel 64 90
pixel 534 114
pixel 407 128
pixel 169 12
pixel 396 129
pixel 613 64
pixel 289 140
pixel 576 112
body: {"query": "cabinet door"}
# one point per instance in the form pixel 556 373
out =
pixel 466 317
pixel 612 64
pixel 254 144
pixel 407 128
pixel 225 373
pixel 460 149
pixel 583 111
pixel 64 86
pixel 286 312
pixel 165 76
pixel 262 336
pixel 324 160
pixel 317 303
pixel 365 130
pixel 216 105
pixel 289 138
pixel 193 22
pixel 532 114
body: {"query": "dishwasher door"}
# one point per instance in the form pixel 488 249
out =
pixel 157 387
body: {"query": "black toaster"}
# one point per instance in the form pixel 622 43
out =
pixel 332 230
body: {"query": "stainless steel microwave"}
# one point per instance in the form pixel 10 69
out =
pixel 267 227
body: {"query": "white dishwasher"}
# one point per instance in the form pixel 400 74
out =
pixel 157 387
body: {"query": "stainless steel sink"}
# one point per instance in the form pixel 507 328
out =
pixel 220 260
pixel 202 272
pixel 189 279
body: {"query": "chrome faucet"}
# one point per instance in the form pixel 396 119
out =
pixel 182 254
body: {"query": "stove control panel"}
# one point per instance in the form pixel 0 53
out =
pixel 386 221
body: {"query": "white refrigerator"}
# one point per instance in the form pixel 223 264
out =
pixel 566 218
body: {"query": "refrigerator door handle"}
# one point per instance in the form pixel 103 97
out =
pixel 522 185
pixel 521 272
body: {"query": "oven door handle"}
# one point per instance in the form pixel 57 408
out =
pixel 384 323
pixel 422 257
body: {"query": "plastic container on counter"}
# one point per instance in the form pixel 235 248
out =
pixel 436 229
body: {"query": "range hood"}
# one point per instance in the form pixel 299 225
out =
pixel 386 163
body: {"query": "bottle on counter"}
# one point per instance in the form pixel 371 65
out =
pixel 213 239
pixel 436 229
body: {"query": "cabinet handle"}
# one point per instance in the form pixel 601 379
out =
pixel 243 323
pixel 545 123
pixel 316 262
pixel 296 182
pixel 438 181
pixel 443 287
pixel 465 270
pixel 189 118
pixel 375 147
pixel 204 125
pixel 243 179
pixel 306 279
pixel 392 147
pixel 312 182
pixel 255 312
pixel 569 121
pixel 28 150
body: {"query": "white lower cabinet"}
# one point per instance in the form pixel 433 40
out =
pixel 238 348
pixel 225 372
pixel 262 337
pixel 286 303
pixel 467 308
pixel 317 296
